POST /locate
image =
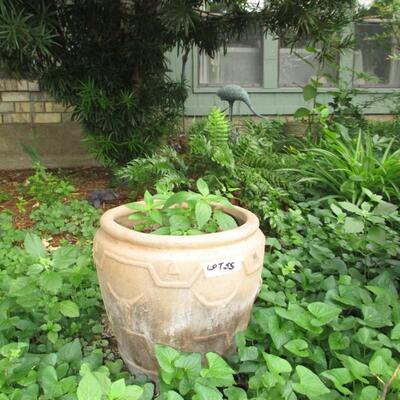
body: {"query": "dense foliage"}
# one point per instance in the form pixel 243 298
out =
pixel 231 163
pixel 182 213
pixel 326 324
pixel 107 59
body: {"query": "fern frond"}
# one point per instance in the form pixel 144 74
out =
pixel 217 128
pixel 146 172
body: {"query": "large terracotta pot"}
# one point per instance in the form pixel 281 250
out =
pixel 189 292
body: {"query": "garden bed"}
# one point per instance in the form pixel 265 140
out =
pixel 326 324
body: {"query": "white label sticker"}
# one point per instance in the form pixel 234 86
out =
pixel 222 267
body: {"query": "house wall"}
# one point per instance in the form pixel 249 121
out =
pixel 270 99
pixel 30 117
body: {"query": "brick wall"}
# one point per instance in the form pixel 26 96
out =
pixel 30 117
pixel 22 102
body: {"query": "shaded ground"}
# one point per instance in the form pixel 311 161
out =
pixel 83 179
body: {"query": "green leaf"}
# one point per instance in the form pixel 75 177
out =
pixel 338 341
pixel 177 198
pixel 276 364
pixel 357 368
pixel 33 245
pixel 378 366
pixel 191 363
pixel 89 388
pixel 69 309
pixel 202 187
pixel 49 381
pixel 70 352
pixel 13 350
pixel 310 385
pixel 207 393
pixel 51 281
pixel 377 235
pixel 309 92
pixel 273 242
pixel 219 370
pixel 350 207
pixel 166 356
pixel 377 315
pixel 336 210
pixel 298 347
pixel 385 209
pixel 235 393
pixel 353 225
pixel 369 393
pixel 172 395
pixel 53 336
pixel 164 230
pixel 323 312
pixel 395 334
pixel 148 198
pixel 137 216
pixel 249 353
pixel 132 392
pixel 339 377
pixel 179 223
pixel 225 221
pixel 299 316
pixel 156 216
pixel 302 112
pixel 117 389
pixel 137 206
pixel 270 324
pixel 203 213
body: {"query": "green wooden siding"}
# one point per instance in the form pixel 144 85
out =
pixel 270 99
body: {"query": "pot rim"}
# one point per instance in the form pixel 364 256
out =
pixel 109 224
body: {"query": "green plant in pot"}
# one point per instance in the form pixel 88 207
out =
pixel 185 276
pixel 163 214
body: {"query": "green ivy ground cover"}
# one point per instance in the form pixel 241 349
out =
pixel 326 324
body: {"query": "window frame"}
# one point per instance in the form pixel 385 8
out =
pixel 371 89
pixel 270 78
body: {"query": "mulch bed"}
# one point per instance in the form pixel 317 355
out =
pixel 83 179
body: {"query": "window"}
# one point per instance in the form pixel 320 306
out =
pixel 295 72
pixel 371 57
pixel 242 64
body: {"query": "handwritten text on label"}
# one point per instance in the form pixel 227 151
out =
pixel 222 267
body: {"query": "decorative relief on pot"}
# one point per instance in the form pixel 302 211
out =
pixel 142 355
pixel 125 304
pixel 253 263
pixel 222 294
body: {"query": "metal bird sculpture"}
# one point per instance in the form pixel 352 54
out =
pixel 232 93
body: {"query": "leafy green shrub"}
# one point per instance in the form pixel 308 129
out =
pixel 344 166
pixel 388 130
pixel 182 213
pixel 46 187
pixel 75 217
pixel 244 162
pixel 47 300
pixel 327 319
pixel 183 373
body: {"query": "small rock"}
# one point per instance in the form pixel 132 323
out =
pixel 98 196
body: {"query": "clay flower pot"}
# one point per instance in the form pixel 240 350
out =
pixel 189 292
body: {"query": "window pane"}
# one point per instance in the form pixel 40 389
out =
pixel 242 64
pixel 294 71
pixel 372 57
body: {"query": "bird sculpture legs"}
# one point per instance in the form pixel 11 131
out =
pixel 231 110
